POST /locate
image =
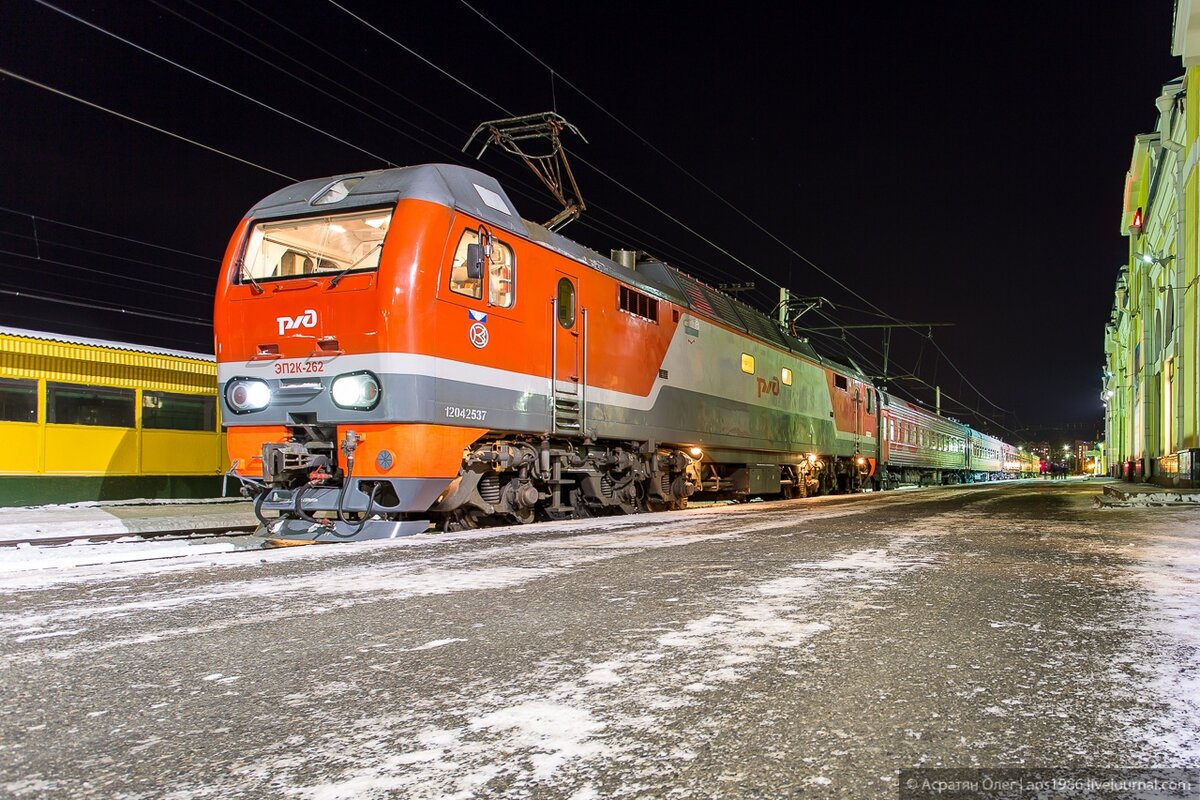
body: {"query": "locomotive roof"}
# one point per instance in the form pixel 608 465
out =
pixel 482 196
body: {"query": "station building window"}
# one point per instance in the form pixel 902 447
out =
pixel 72 404
pixel 497 272
pixel 178 412
pixel 18 400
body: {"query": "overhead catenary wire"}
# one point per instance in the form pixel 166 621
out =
pixel 722 199
pixel 98 107
pixel 36 217
pixel 213 81
pixel 157 285
pixel 42 241
pixel 599 171
pixel 13 291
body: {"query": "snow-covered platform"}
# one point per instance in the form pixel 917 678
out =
pixel 131 517
pixel 1119 494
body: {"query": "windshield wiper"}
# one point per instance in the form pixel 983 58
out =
pixel 342 274
pixel 241 265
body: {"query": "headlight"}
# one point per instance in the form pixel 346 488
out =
pixel 247 394
pixel 358 390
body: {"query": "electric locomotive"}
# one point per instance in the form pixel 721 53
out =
pixel 398 348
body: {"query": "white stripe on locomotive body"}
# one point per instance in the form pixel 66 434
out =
pixel 708 364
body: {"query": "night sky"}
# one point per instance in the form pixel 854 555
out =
pixel 953 162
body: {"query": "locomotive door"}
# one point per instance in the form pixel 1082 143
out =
pixel 568 362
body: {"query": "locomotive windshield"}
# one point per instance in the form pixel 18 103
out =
pixel 315 246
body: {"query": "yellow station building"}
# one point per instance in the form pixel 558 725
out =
pixel 91 420
pixel 1152 339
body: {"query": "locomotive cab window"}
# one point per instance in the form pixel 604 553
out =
pixel 495 271
pixel 314 246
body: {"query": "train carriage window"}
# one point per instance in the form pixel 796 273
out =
pixel 314 246
pixel 498 274
pixel 870 401
pixel 840 382
pixel 72 404
pixel 18 400
pixel 178 412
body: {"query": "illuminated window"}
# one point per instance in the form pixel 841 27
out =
pixel 747 364
pixel 469 279
pixel 787 377
pixel 315 246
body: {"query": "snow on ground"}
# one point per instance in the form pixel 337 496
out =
pixel 1168 569
pixel 567 718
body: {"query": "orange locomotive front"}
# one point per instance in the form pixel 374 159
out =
pixel 400 347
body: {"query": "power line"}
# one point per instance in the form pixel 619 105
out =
pixel 112 235
pixel 156 284
pixel 99 107
pixel 49 298
pixel 214 82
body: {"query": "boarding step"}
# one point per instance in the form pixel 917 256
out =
pixel 566 412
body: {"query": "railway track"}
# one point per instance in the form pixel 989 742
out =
pixel 132 536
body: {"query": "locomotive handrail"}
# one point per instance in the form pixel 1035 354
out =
pixel 583 386
pixel 553 363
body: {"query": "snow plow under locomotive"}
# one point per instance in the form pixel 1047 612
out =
pixel 399 348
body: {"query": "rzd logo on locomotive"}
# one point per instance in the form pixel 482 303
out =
pixel 306 320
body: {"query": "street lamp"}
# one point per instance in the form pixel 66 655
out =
pixel 1151 258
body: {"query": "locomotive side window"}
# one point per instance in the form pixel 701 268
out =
pixel 566 303
pixel 498 272
pixel 840 382
pixel 18 400
pixel 314 246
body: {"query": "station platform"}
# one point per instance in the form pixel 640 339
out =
pixel 131 517
pixel 1120 494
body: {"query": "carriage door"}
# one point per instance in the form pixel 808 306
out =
pixel 568 361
